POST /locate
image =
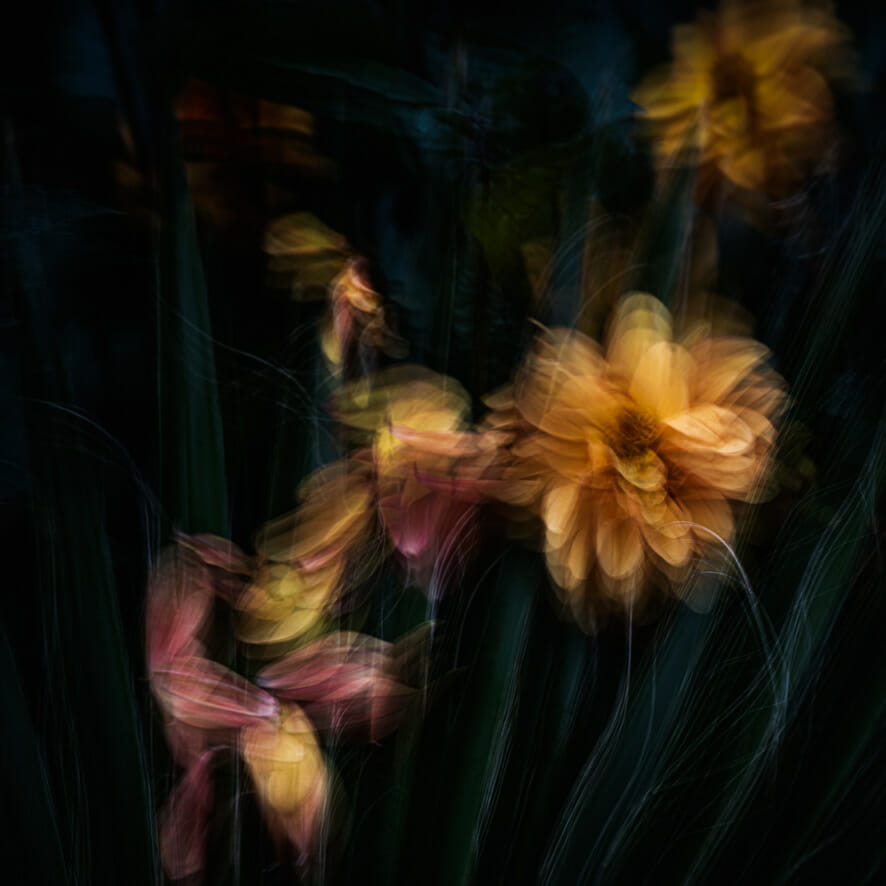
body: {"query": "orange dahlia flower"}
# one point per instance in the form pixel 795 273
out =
pixel 635 454
pixel 747 92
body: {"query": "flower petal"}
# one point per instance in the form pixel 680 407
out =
pixel 660 383
pixel 290 777
pixel 559 507
pixel 202 693
pixel 619 547
pixel 707 429
pixel 184 822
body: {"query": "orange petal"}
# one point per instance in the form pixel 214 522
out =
pixel 645 472
pixel 640 321
pixel 711 512
pixel 294 624
pixel 580 559
pixel 674 549
pixel 660 383
pixel 559 508
pixel 619 547
pixel 723 364
pixel 707 429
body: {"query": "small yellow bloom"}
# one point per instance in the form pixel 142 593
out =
pixel 305 253
pixel 746 92
pixel 290 777
pixel 306 558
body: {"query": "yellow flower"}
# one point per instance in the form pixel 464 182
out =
pixel 305 253
pixel 290 777
pixel 746 92
pixel 429 463
pixel 306 558
pixel 635 455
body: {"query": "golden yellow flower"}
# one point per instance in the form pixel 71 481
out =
pixel 306 558
pixel 747 93
pixel 635 454
pixel 290 777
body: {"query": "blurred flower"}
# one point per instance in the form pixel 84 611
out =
pixel 237 146
pixel 199 698
pixel 290 777
pixel 307 559
pixel 356 321
pixel 305 254
pixel 747 92
pixel 241 154
pixel 184 821
pixel 204 704
pixel 314 260
pixel 348 683
pixel 428 463
pixel 634 455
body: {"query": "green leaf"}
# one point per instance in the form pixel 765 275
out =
pixel 490 708
pixel 191 446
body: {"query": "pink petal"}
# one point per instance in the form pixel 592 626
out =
pixel 413 527
pixel 420 528
pixel 214 550
pixel 179 600
pixel 186 743
pixel 184 821
pixel 368 712
pixel 345 682
pixel 201 693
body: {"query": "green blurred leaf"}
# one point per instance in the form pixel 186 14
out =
pixel 191 446
pixel 490 707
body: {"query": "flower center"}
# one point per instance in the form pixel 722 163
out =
pixel 633 433
pixel 734 78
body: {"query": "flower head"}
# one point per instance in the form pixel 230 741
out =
pixel 746 90
pixel 306 558
pixel 346 684
pixel 635 453
pixel 428 462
